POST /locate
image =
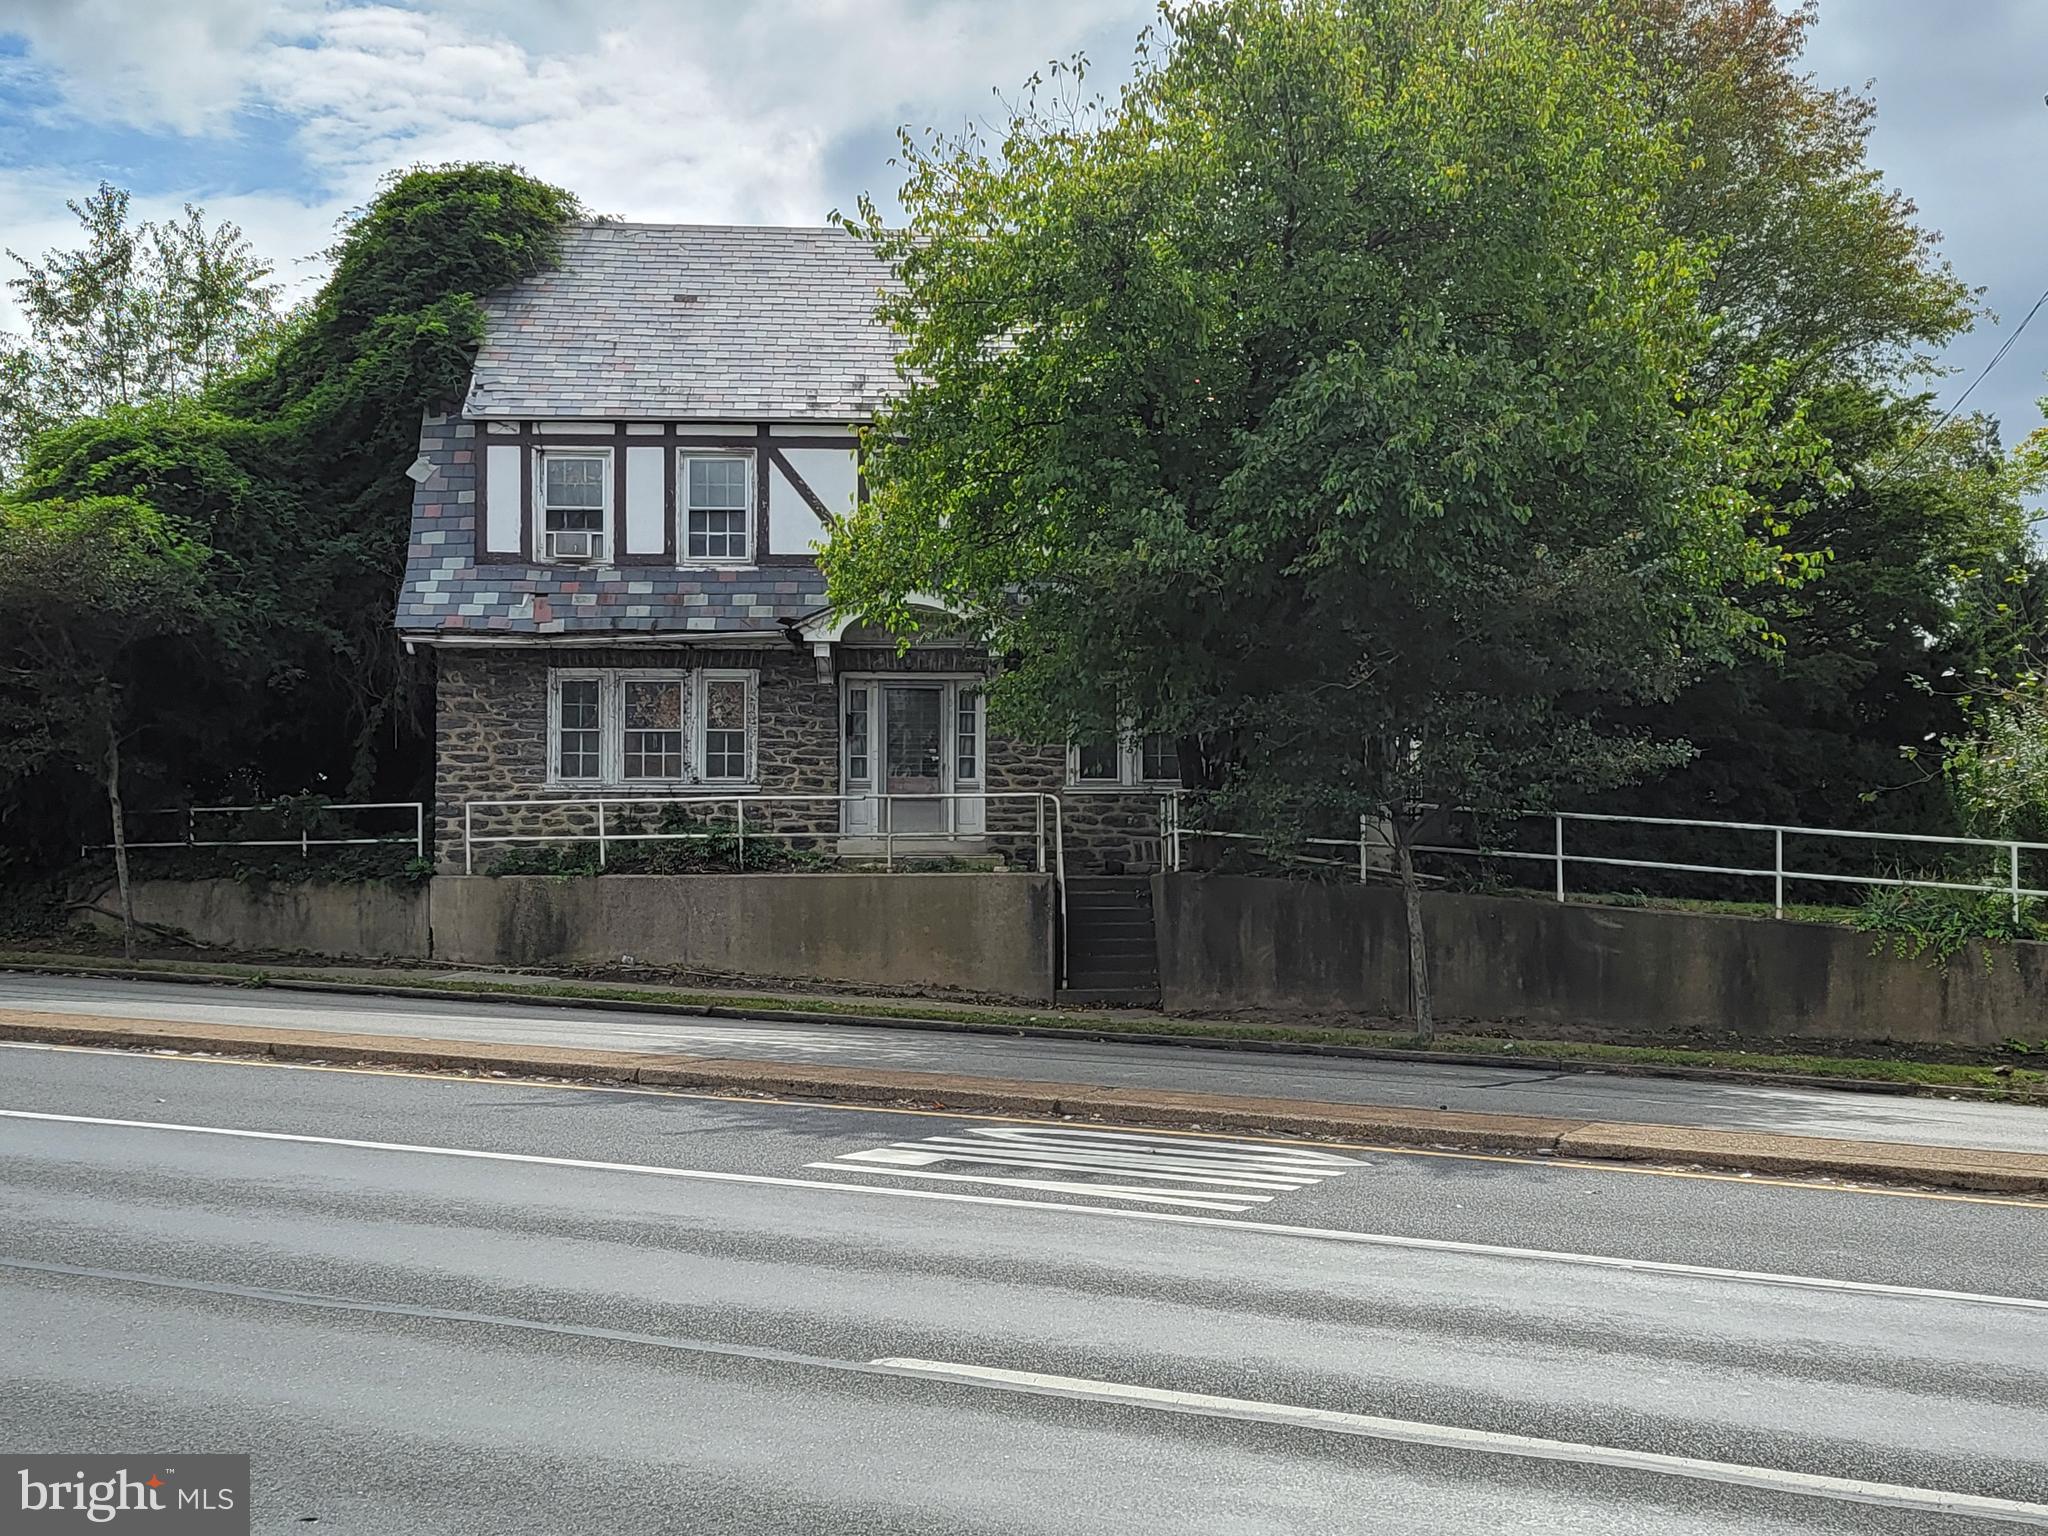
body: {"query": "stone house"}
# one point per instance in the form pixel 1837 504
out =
pixel 613 560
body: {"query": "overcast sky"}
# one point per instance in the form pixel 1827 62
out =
pixel 282 113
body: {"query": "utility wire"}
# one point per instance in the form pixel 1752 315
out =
pixel 1985 373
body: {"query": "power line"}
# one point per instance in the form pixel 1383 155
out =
pixel 1985 373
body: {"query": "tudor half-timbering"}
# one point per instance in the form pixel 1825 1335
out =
pixel 613 556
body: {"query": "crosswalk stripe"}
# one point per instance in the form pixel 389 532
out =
pixel 1208 1175
pixel 1218 1202
pixel 1138 1157
pixel 901 1159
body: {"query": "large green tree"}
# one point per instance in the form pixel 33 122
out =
pixel 1326 400
pixel 291 472
pixel 1824 270
pixel 139 312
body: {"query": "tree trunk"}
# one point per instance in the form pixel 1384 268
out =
pixel 120 836
pixel 1421 1007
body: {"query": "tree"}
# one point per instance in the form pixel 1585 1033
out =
pixel 89 591
pixel 1326 401
pixel 1816 262
pixel 1918 526
pixel 138 313
pixel 291 471
pixel 1823 270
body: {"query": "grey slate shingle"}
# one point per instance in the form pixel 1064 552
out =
pixel 780 326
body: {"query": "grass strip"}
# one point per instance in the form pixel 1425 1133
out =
pixel 2015 1082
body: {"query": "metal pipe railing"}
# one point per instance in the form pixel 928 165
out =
pixel 305 842
pixel 1559 856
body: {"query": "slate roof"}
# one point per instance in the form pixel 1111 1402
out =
pixel 715 322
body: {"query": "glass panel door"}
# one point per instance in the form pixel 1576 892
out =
pixel 915 740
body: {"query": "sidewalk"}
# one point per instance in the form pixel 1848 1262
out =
pixel 1683 1146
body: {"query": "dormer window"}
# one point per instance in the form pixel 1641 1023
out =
pixel 575 504
pixel 717 507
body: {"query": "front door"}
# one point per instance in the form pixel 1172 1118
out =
pixel 912 758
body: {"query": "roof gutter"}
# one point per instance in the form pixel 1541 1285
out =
pixel 610 640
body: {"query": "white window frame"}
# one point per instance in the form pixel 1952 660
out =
pixel 611 725
pixel 1130 765
pixel 615 724
pixel 700 749
pixel 684 458
pixel 606 512
pixel 556 677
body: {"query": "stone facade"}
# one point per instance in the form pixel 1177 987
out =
pixel 491 744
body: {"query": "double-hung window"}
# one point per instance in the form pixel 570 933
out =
pixel 725 755
pixel 627 728
pixel 579 730
pixel 717 507
pixel 651 734
pixel 575 504
pixel 1131 761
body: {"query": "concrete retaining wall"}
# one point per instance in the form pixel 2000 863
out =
pixel 976 932
pixel 1228 942
pixel 372 921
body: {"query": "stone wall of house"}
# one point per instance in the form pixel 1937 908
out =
pixel 491 744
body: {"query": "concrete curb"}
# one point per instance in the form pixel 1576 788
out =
pixel 1507 1059
pixel 1949 1167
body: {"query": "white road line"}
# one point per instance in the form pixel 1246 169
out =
pixel 1105 1212
pixel 1452 1437
pixel 1253 1158
pixel 1185 1146
pixel 911 1156
pixel 1220 1200
pixel 1440 1436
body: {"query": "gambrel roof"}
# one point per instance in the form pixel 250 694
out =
pixel 682 321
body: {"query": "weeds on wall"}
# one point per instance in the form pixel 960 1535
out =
pixel 1915 922
pixel 715 853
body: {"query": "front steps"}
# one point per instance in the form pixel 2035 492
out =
pixel 1112 951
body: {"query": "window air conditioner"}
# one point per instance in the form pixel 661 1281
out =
pixel 575 548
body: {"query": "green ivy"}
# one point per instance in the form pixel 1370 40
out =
pixel 290 479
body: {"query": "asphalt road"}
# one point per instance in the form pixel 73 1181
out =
pixel 1592 1095
pixel 443 1305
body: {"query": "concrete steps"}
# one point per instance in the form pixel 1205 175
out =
pixel 1112 951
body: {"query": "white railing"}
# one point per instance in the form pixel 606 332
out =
pixel 1047 832
pixel 1372 840
pixel 305 842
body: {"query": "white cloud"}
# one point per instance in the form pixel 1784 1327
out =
pixel 179 65
pixel 645 109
